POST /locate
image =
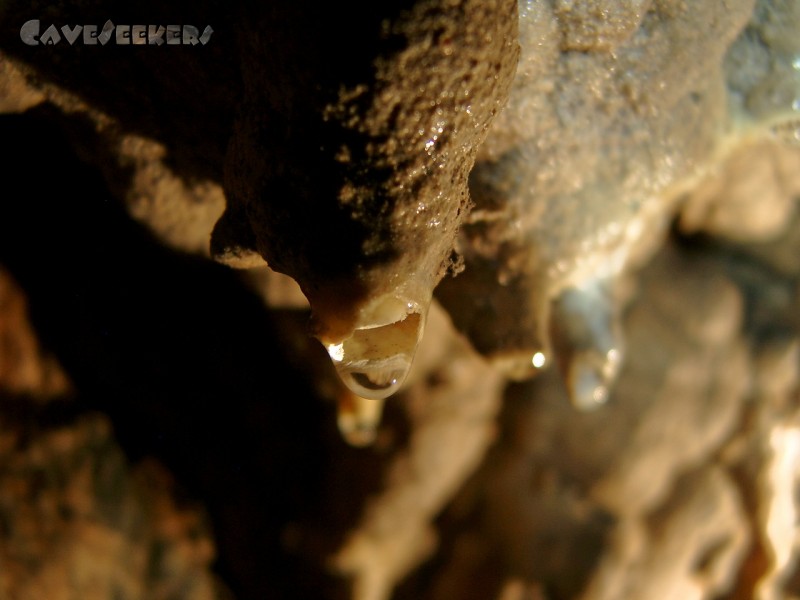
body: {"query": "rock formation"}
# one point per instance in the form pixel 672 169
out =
pixel 500 215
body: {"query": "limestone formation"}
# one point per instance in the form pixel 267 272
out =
pixel 497 214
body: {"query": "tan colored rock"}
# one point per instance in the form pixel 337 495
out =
pixel 750 197
pixel 688 548
pixel 26 369
pixel 452 426
pixel 76 519
pixel 81 524
pixel 16 93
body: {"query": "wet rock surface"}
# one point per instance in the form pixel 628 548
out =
pixel 170 429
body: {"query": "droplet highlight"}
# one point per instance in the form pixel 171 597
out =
pixel 374 361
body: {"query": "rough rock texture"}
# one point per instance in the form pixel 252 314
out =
pixel 640 186
pixel 343 138
pixel 77 519
pixel 25 369
pixel 581 174
pixel 397 110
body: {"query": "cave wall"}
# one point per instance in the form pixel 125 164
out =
pixel 170 427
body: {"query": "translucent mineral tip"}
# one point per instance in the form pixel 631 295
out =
pixel 590 378
pixel 591 342
pixel 375 360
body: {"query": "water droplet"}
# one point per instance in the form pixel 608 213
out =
pixel 588 389
pixel 376 378
pixel 590 342
pixel 358 418
pixel 374 362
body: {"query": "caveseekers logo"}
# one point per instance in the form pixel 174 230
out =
pixel 138 35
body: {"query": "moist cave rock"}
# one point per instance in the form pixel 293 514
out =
pixel 463 300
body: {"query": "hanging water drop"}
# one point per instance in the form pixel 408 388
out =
pixel 589 339
pixel 358 418
pixel 374 361
pixel 587 387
